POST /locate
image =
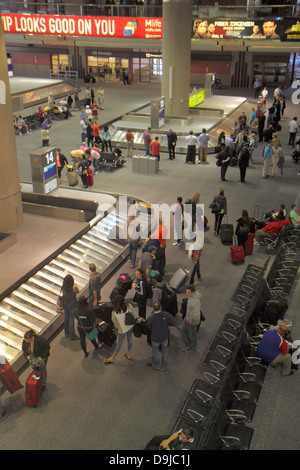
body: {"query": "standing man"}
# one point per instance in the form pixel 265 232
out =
pixel 61 160
pixel 94 286
pixel 267 155
pixel 140 296
pixel 191 141
pixel 172 140
pixel 147 261
pixel 96 133
pixel 159 323
pixel 161 234
pixel 133 237
pixel 293 128
pixel 129 139
pixel 191 320
pixel 257 88
pixel 83 127
pixel 243 162
pixel 203 142
pixel 147 140
pixel 155 148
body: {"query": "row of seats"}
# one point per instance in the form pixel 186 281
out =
pixel 221 405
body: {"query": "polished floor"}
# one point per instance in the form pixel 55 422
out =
pixel 88 405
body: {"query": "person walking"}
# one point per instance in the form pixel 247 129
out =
pixel 203 143
pixel 293 129
pixel 36 350
pixel 178 221
pixel 219 208
pixel 69 291
pixel 86 325
pixel 191 320
pixel 119 318
pixel 267 156
pixel 159 323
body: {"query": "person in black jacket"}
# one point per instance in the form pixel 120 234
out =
pixel 140 296
pixel 61 161
pixel 245 225
pixel 36 350
pixel 243 162
pixel 86 322
pixel 219 208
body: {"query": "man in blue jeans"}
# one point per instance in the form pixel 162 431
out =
pixel 159 323
pixel 191 320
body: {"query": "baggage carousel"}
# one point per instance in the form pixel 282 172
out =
pixel 32 304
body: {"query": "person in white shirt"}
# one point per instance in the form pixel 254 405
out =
pixel 203 142
pixel 264 94
pixel 277 152
pixel 293 128
pixel 191 141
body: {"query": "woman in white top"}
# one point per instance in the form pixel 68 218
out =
pixel 277 151
pixel 118 318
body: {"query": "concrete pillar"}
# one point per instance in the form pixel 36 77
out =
pixel 11 211
pixel 176 56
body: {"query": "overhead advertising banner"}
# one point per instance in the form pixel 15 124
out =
pixel 248 29
pixel 84 26
pixel 291 29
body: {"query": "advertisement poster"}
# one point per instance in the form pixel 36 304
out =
pixel 83 26
pixel 291 29
pixel 247 29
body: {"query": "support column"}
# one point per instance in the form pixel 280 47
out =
pixel 176 55
pixel 11 210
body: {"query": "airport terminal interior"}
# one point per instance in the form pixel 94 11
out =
pixel 87 404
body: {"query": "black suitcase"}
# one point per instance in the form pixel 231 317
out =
pixel 226 233
pixel 178 279
pixel 106 333
pixel 104 311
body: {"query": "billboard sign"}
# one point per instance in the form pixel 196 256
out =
pixel 83 26
pixel 245 29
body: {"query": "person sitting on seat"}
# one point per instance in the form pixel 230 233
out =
pixel 273 349
pixel 271 230
pixel 179 440
pixel 294 217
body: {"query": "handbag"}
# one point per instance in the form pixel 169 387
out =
pixel 92 334
pixel 60 304
pixel 129 319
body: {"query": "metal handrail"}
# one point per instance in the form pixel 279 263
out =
pixel 147 10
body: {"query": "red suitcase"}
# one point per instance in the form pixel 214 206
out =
pixel 9 378
pixel 33 388
pixel 90 178
pixel 249 244
pixel 237 254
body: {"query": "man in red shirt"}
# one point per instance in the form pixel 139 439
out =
pixel 161 235
pixel 271 230
pixel 155 148
pixel 96 133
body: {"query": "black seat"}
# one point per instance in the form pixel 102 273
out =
pixel 204 391
pixel 195 410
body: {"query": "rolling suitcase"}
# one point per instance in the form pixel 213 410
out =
pixel 249 244
pixel 226 233
pixel 9 378
pixel 237 254
pixel 89 177
pixel 106 333
pixel 178 279
pixel 104 311
pixel 72 177
pixel 33 389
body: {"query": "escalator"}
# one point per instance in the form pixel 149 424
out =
pixel 33 304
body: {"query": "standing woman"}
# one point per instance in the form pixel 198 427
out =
pixel 36 350
pixel 69 291
pixel 100 97
pixel 86 322
pixel 83 169
pixel 118 317
pixel 277 152
pixel 129 140
pixel 245 225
